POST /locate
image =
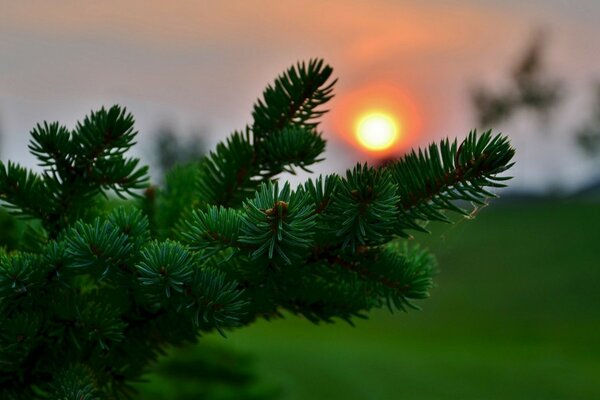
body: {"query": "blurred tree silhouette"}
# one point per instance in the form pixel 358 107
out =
pixel 171 149
pixel 588 135
pixel 530 88
pixel 219 374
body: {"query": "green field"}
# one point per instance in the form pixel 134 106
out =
pixel 515 315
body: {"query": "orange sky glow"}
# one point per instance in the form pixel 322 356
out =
pixel 378 97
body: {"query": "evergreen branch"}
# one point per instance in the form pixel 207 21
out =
pixel 19 273
pixel 399 275
pixel 132 224
pixel 212 230
pixel 347 286
pixel 322 293
pixel 120 175
pixel 278 223
pixel 225 176
pixel 321 191
pixel 294 98
pixel 82 164
pixel 363 209
pixel 97 247
pixel 215 302
pixel 165 269
pixel 22 189
pixel 19 337
pixel 291 147
pixel 232 173
pixel 76 382
pixel 101 324
pixel 104 133
pixel 429 181
pixel 55 257
pixel 51 144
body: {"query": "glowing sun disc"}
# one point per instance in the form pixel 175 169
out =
pixel 377 131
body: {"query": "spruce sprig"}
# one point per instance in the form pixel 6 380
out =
pixel 363 208
pixel 294 98
pixel 430 181
pixel 212 230
pixel 278 223
pixel 282 135
pixel 78 166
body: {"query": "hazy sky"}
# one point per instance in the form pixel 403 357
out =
pixel 202 64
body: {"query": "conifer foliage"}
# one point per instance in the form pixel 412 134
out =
pixel 89 301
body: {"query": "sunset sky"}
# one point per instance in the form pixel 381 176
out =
pixel 202 64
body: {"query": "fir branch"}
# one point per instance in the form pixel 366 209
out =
pixel 132 224
pixel 104 134
pixel 294 98
pixel 399 275
pixel 212 230
pixel 22 190
pixel 226 174
pixel 51 144
pixel 282 135
pixel 291 147
pixel 322 293
pixel 76 382
pixel 165 268
pixel 20 337
pixel 82 164
pixel 19 273
pixel 363 209
pixel 430 181
pixel 278 223
pixel 214 301
pixel 102 140
pixel 321 191
pixel 97 248
pixel 101 324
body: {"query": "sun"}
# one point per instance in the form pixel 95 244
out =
pixel 377 131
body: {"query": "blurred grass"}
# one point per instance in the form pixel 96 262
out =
pixel 515 316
